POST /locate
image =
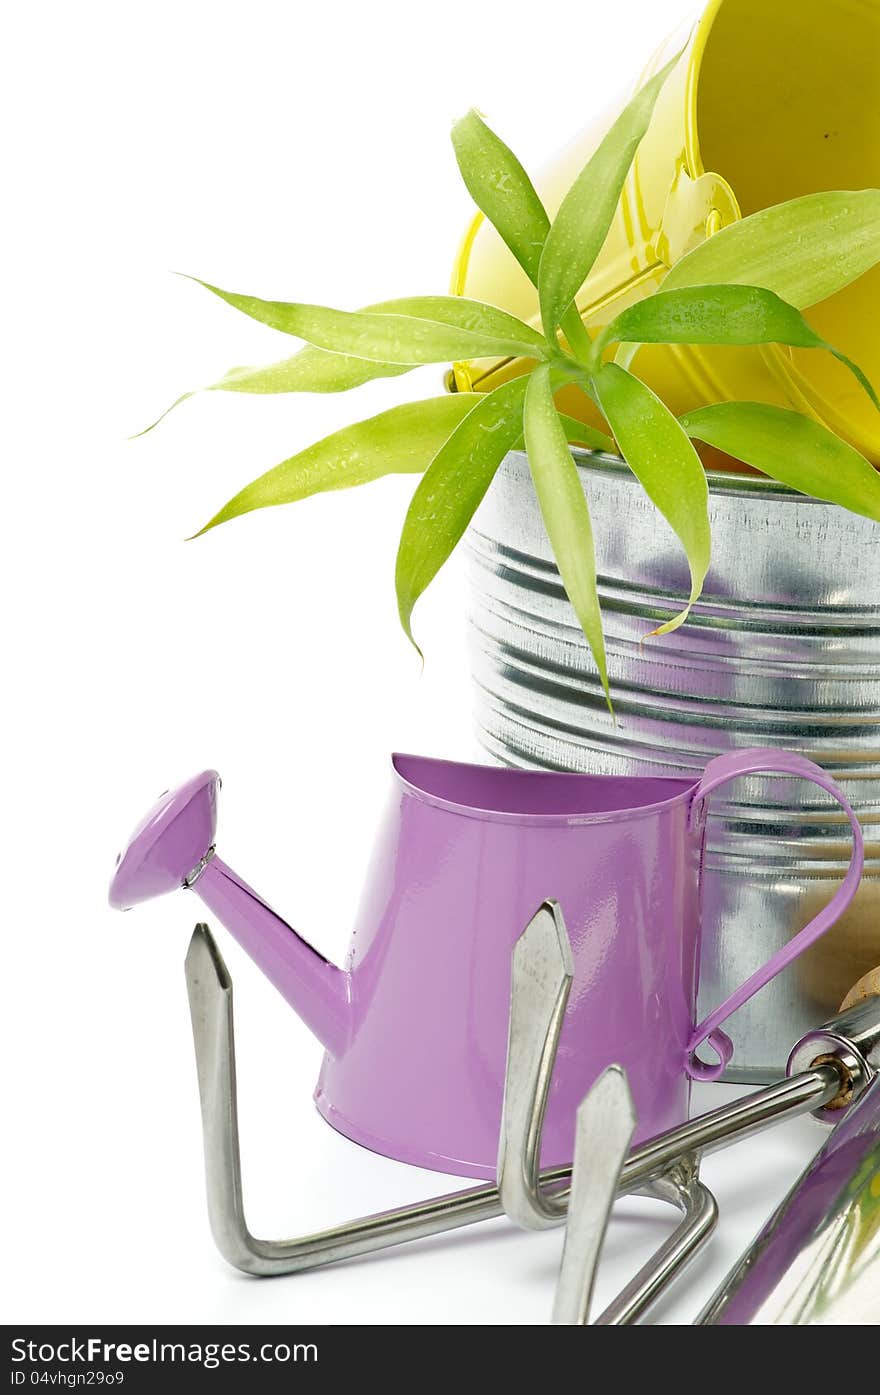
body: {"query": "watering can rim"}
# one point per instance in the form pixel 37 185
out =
pixel 410 782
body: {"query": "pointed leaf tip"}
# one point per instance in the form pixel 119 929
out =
pixel 805 249
pixel 184 396
pixel 418 330
pixel 663 459
pixel 501 189
pixel 586 213
pixel 722 314
pixel 794 449
pixel 402 440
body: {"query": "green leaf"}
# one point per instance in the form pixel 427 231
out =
pixel 310 370
pixel 792 449
pixel 473 316
pixel 501 189
pixel 565 511
pixel 422 329
pixel 582 435
pixel 451 490
pixel 585 215
pixel 579 434
pixel 732 314
pixel 503 192
pixel 662 458
pixel 402 440
pixel 804 250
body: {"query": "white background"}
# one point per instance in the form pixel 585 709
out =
pixel 297 152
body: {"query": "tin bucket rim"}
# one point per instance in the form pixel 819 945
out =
pixel 722 480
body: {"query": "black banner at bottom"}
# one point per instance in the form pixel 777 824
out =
pixel 136 1358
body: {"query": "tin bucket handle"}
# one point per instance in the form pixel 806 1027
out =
pixel 718 772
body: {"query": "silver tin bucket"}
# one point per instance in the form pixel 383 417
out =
pixel 782 650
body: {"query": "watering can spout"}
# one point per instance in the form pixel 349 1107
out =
pixel 173 847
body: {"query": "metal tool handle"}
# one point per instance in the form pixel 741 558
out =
pixel 542 970
pixel 605 1122
pixel 540 980
pixel 210 994
pixel 852 1039
pixel 683 1188
pixel 817 1259
pixel 718 772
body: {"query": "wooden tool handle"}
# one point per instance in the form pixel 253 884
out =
pixel 868 986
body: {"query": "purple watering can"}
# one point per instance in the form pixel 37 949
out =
pixel 415 1025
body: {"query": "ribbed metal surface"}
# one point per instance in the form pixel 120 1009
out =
pixel 782 650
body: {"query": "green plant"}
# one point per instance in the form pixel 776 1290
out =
pixel 746 285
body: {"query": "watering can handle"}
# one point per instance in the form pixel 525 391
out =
pixel 718 772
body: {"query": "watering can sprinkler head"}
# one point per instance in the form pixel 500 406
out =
pixel 173 848
pixel 170 844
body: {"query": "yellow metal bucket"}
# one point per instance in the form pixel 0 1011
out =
pixel 770 99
